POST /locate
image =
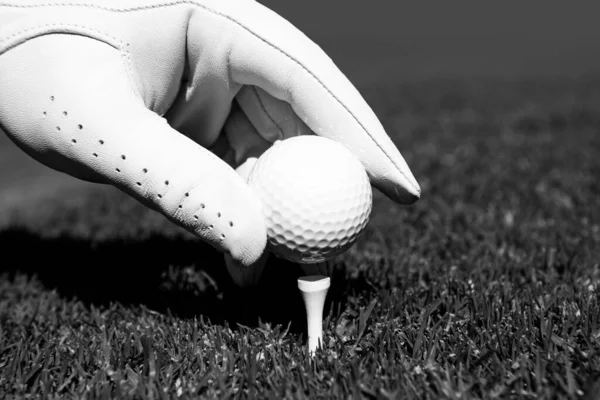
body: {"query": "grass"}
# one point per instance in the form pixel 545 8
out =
pixel 488 287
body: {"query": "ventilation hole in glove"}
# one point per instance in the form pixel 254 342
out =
pixel 101 141
pixel 180 206
pixel 211 226
pixel 196 217
pixel 187 195
pixel 51 98
pixel 95 154
pixel 80 126
pixel 65 113
pixel 139 183
pixel 160 196
pixel 123 156
pixel 117 169
pixel 222 236
pixel 58 128
pixel 145 170
pixel 167 183
pixel 231 223
pixel 219 215
pixel 202 205
pixel 44 113
pixel 74 141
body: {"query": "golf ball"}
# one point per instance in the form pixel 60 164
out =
pixel 316 197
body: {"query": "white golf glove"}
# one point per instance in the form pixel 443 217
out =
pixel 166 99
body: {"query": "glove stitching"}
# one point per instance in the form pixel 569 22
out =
pixel 119 45
pixel 264 108
pixel 49 29
pixel 204 7
pixel 125 57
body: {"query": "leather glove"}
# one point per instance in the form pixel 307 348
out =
pixel 167 99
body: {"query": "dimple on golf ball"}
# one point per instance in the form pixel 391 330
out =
pixel 316 197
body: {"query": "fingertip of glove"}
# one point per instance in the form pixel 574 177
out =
pixel 409 194
pixel 245 275
pixel 247 253
pixel 398 188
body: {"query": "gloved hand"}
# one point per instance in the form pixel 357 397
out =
pixel 166 100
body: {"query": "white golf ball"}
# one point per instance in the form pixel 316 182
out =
pixel 316 197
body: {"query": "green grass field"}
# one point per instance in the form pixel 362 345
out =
pixel 488 287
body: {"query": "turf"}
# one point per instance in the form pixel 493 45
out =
pixel 487 287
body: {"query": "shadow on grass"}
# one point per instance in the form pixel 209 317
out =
pixel 181 276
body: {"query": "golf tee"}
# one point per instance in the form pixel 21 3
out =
pixel 314 291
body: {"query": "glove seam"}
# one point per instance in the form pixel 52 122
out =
pixel 206 8
pixel 20 37
pixel 264 108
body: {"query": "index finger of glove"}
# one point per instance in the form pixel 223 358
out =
pixel 269 52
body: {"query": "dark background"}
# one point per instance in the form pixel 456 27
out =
pixel 382 40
